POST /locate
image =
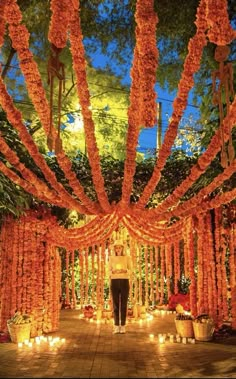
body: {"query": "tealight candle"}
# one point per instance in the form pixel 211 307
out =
pixel 161 339
pixel 20 344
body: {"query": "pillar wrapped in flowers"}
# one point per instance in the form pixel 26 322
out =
pixel 30 272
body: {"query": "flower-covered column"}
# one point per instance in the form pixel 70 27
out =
pixel 30 272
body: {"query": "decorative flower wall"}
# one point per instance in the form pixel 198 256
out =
pixel 149 227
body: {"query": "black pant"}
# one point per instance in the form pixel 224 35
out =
pixel 120 294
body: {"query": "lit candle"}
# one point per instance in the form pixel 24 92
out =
pixel 184 340
pixel 26 342
pixel 161 339
pixel 20 344
pixel 151 336
pixel 30 344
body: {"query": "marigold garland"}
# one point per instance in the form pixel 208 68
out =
pixel 192 63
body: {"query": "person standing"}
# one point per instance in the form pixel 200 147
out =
pixel 120 268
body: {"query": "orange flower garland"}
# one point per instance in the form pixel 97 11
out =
pixel 2 21
pixel 220 32
pixel 142 109
pixel 59 22
pixel 192 64
pixel 79 64
pixel 146 20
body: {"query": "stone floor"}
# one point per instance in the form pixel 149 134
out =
pixel 91 350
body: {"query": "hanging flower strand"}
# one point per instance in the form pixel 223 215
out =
pixel 147 19
pixel 2 21
pixel 191 66
pixel 20 41
pixel 142 109
pixel 59 22
pixel 79 65
pixel 220 31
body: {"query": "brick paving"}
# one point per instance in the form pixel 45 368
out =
pixel 92 351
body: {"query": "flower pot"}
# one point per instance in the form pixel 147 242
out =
pixel 19 332
pixel 203 331
pixel 184 328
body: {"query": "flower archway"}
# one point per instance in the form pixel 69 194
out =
pixel 145 225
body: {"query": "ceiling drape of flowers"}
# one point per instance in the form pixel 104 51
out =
pixel 212 26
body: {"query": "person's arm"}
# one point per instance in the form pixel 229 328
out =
pixel 110 266
pixel 130 265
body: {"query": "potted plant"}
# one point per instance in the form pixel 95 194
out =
pixel 203 326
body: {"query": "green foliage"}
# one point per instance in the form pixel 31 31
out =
pixel 183 285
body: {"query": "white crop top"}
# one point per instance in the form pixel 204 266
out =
pixel 117 263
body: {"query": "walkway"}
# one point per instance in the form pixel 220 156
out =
pixel 92 351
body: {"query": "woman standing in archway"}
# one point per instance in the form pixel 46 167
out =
pixel 120 267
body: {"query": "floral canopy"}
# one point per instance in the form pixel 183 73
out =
pixel 148 225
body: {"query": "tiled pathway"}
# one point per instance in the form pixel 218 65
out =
pixel 92 351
